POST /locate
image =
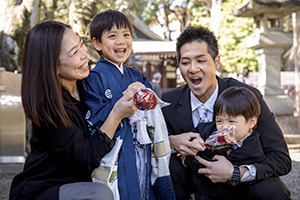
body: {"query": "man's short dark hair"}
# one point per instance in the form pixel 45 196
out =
pixel 200 34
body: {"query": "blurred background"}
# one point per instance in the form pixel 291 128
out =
pixel 258 43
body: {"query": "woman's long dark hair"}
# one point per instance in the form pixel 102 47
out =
pixel 41 90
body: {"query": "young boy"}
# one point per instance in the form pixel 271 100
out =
pixel 127 168
pixel 239 107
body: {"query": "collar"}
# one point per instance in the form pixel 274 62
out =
pixel 121 67
pixel 240 142
pixel 209 104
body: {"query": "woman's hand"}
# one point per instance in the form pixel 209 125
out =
pixel 123 108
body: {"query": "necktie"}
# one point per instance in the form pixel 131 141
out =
pixel 202 114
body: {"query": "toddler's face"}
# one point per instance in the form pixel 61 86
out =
pixel 242 126
pixel 116 44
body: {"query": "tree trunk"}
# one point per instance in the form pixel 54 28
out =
pixel 81 13
pixel 215 14
pixel 16 20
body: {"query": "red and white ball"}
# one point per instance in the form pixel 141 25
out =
pixel 145 99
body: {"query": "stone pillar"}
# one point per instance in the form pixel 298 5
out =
pixel 269 71
pixel 269 45
pixel 269 60
pixel 269 41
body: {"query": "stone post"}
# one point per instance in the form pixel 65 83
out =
pixel 269 44
pixel 269 41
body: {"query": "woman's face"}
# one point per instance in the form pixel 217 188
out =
pixel 73 59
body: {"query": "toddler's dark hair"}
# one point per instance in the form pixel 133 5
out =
pixel 236 101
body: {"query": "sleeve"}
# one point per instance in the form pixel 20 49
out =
pixel 76 146
pixel 277 161
pixel 97 105
pixel 192 163
pixel 142 78
pixel 167 114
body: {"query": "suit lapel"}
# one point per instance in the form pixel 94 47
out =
pixel 185 111
pixel 184 106
pixel 222 85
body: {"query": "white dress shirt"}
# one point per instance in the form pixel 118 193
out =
pixel 209 105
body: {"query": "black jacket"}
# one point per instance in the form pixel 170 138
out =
pixel 250 152
pixel 178 118
pixel 59 156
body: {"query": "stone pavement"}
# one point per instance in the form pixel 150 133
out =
pixel 292 180
pixel 7 172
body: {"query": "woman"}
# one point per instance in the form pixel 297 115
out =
pixel 63 152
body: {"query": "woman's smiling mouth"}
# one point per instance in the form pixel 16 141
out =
pixel 84 66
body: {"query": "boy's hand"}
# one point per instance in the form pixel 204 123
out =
pixel 134 86
pixel 182 160
pixel 198 141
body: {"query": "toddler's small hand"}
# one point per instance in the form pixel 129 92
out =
pixel 198 141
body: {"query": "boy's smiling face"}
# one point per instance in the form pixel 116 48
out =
pixel 242 125
pixel 115 45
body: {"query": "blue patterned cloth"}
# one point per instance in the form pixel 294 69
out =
pixel 103 88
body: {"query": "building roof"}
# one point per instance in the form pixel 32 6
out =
pixel 149 43
pixel 154 47
pixel 250 8
pixel 283 2
pixel 141 29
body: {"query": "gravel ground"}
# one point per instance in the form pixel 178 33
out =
pixel 7 172
pixel 292 180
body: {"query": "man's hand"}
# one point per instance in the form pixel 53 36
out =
pixel 217 171
pixel 182 144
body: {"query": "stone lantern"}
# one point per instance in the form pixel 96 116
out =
pixel 269 40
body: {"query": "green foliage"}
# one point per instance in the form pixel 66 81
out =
pixel 149 12
pixel 232 33
pixel 55 10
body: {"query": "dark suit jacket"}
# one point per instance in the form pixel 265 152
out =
pixel 178 118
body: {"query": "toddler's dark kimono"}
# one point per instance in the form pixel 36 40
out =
pixel 250 152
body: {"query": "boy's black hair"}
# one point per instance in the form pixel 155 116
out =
pixel 199 34
pixel 104 21
pixel 236 101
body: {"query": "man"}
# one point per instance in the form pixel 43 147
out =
pixel 198 59
pixel 156 84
